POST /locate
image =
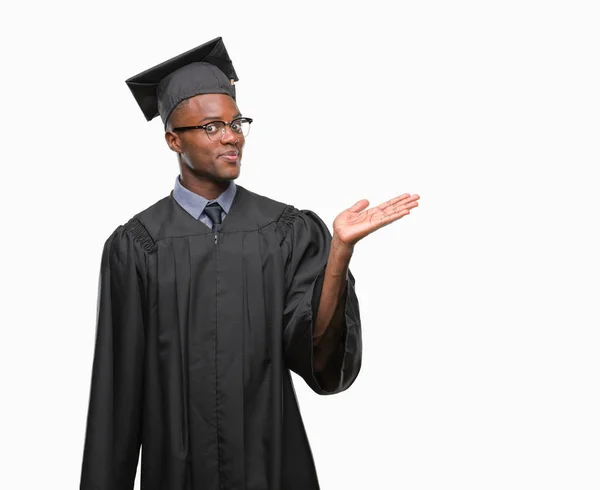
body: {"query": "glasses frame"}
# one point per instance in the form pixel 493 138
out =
pixel 225 124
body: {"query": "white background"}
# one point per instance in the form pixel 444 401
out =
pixel 481 364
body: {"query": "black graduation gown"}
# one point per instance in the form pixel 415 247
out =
pixel 195 336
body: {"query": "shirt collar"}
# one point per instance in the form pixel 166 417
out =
pixel 194 204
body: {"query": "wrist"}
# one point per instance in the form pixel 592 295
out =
pixel 341 247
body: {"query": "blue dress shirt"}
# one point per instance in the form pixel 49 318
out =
pixel 194 204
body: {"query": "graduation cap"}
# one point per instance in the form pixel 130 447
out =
pixel 205 69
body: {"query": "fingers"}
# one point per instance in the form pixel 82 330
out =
pixel 398 207
pixel 399 200
pixel 393 201
pixel 388 218
pixel 399 203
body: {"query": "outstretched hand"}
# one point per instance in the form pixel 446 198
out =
pixel 357 222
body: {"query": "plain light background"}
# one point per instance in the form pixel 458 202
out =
pixel 480 318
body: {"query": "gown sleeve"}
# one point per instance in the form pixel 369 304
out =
pixel 306 251
pixel 113 432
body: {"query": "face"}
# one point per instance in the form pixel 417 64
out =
pixel 216 161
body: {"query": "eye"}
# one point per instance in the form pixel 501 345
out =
pixel 236 126
pixel 212 128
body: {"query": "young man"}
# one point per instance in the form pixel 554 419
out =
pixel 207 299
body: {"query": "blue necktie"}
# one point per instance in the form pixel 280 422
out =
pixel 213 211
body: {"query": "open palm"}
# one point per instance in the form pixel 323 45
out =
pixel 357 222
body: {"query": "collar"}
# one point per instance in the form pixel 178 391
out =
pixel 194 204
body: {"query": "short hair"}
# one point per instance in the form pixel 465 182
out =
pixel 178 108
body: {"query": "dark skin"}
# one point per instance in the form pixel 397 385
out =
pixel 204 171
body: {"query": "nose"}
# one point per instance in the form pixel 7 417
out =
pixel 229 136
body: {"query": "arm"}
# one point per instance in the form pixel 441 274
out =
pixel 310 263
pixel 113 432
pixel 349 227
pixel 330 322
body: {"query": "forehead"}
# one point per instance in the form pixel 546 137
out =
pixel 213 105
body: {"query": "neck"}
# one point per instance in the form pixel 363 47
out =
pixel 208 189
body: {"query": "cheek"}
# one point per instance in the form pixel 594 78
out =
pixel 200 153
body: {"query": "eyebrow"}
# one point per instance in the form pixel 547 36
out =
pixel 216 118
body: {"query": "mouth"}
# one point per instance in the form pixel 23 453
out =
pixel 230 156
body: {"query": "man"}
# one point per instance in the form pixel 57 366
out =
pixel 207 299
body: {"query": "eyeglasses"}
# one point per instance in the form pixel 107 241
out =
pixel 215 130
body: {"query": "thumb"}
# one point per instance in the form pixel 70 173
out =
pixel 359 206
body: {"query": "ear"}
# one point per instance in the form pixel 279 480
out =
pixel 173 141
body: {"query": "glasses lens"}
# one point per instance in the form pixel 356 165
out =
pixel 214 130
pixel 241 126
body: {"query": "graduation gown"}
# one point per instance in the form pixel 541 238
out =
pixel 196 334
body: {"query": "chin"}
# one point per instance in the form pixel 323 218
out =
pixel 228 176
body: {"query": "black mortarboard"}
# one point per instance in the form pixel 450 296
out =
pixel 205 69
